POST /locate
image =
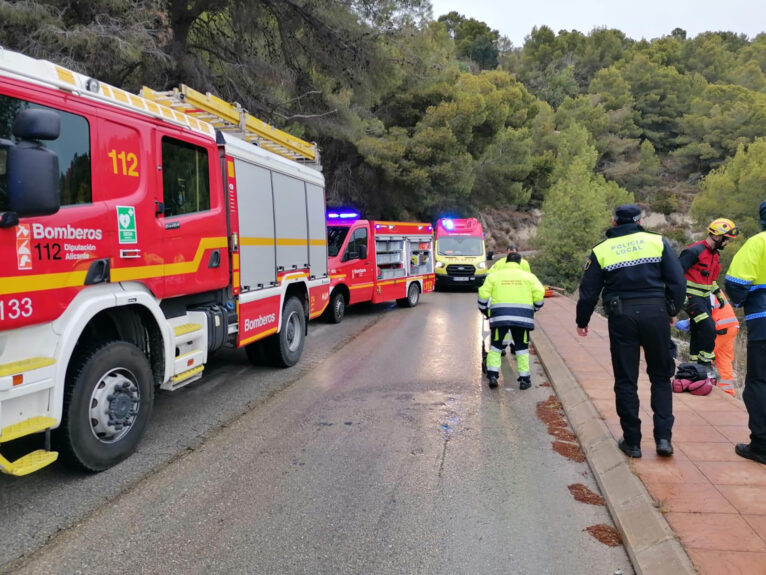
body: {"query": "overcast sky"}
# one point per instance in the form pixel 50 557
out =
pixel 637 19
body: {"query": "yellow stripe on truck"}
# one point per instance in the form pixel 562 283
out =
pixel 174 269
pixel 41 282
pixel 245 241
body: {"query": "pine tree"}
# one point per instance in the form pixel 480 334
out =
pixel 576 210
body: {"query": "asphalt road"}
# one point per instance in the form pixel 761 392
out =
pixel 384 452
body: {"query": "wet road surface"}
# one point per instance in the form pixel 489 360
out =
pixel 390 456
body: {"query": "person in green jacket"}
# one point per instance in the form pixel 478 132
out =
pixel 745 284
pixel 502 262
pixel 509 298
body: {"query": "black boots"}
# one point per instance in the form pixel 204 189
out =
pixel 525 382
pixel 633 451
pixel 746 450
pixel 492 380
pixel 664 448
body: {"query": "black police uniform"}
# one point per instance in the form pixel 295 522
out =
pixel 640 292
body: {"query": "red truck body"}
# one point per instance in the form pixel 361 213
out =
pixel 377 261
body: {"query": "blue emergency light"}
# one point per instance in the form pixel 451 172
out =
pixel 448 224
pixel 342 215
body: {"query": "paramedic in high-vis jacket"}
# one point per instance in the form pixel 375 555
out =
pixel 745 284
pixel 510 297
pixel 643 289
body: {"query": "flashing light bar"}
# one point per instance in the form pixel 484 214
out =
pixel 448 224
pixel 342 215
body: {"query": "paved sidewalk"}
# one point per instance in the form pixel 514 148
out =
pixel 714 501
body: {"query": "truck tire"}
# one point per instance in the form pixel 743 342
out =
pixel 413 296
pixel 107 404
pixel 285 348
pixel 336 309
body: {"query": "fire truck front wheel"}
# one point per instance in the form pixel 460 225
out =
pixel 337 307
pixel 285 348
pixel 107 404
pixel 413 296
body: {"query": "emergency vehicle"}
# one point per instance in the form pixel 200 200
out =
pixel 461 258
pixel 138 234
pixel 377 262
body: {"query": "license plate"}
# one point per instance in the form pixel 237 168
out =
pixel 461 279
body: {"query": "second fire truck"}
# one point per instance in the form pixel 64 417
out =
pixel 377 261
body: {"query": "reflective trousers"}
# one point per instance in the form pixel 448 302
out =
pixel 520 337
pixel 701 330
pixel 647 326
pixel 724 359
pixel 754 394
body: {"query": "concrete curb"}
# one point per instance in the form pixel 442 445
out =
pixel 649 541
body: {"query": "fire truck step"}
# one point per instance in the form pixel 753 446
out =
pixel 186 328
pixel 25 365
pixel 30 463
pixel 26 427
pixel 184 378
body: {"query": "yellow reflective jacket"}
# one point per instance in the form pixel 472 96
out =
pixel 511 296
pixel 745 284
pixel 501 264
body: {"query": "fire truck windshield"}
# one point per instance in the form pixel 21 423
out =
pixel 335 237
pixel 460 246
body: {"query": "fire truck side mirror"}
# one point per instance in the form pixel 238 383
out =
pixel 33 170
pixel 490 255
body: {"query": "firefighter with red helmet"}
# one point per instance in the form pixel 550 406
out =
pixel 700 262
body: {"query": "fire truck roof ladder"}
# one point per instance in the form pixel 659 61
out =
pixel 234 119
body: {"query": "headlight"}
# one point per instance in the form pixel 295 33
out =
pixel 482 265
pixel 439 265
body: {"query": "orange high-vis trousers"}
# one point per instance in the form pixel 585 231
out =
pixel 724 359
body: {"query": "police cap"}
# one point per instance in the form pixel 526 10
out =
pixel 627 214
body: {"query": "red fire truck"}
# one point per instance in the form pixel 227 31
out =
pixel 138 234
pixel 377 261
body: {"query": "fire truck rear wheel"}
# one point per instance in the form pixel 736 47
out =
pixel 285 348
pixel 107 404
pixel 337 308
pixel 413 296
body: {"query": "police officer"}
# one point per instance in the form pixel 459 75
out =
pixel 700 262
pixel 745 284
pixel 644 288
pixel 510 297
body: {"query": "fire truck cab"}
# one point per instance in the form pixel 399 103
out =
pixel 136 238
pixel 461 258
pixel 377 262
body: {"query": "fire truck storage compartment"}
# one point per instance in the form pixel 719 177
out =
pixel 391 273
pixel 317 231
pixel 258 263
pixel 420 256
pixel 388 258
pixel 388 245
pixel 292 223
